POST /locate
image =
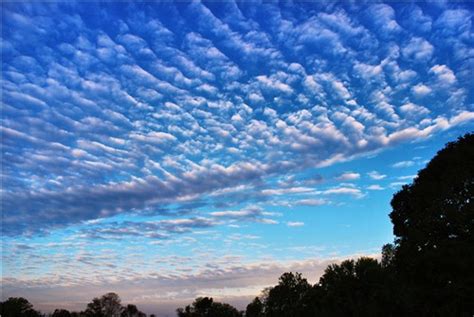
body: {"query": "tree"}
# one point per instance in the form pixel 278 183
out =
pixel 388 255
pixel 206 307
pixel 426 272
pixel 61 313
pixel 433 222
pixel 94 308
pixel 355 288
pixel 109 305
pixel 288 297
pixel 255 308
pixel 132 311
pixel 17 307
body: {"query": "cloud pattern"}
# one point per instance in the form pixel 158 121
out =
pixel 112 108
pixel 160 123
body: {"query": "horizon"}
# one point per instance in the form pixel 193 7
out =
pixel 166 151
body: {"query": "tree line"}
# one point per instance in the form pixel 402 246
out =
pixel 108 305
pixel 427 271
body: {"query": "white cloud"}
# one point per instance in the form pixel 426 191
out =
pixel 421 90
pixel 283 191
pixel 383 16
pixel 295 224
pixel 406 178
pixel 311 202
pixel 268 221
pixel 376 175
pixel 344 190
pixel 375 187
pixel 418 48
pixel 249 214
pixel 397 184
pixel 412 110
pixel 274 84
pixel 99 117
pixel 403 164
pixel 443 74
pixel 462 117
pixel 348 176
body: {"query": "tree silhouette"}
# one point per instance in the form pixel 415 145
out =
pixel 17 307
pixel 288 297
pixel 206 307
pixel 433 222
pixel 61 313
pixel 109 305
pixel 132 311
pixel 94 308
pixel 354 288
pixel 255 308
pixel 388 255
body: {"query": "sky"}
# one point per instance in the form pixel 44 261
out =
pixel 166 151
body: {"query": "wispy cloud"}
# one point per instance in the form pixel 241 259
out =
pixel 344 190
pixel 311 202
pixel 375 187
pixel 348 176
pixel 376 175
pixel 295 224
pixel 403 164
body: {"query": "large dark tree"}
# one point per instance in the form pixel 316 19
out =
pixel 94 308
pixel 207 307
pixel 17 307
pixel 433 222
pixel 109 305
pixel 288 298
pixel 354 288
pixel 255 308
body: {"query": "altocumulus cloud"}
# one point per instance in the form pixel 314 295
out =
pixel 146 138
pixel 109 109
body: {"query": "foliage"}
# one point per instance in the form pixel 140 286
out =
pixel 433 221
pixel 109 305
pixel 388 255
pixel 17 307
pixel 206 307
pixel 358 288
pixel 255 308
pixel 61 313
pixel 288 297
pixel 132 311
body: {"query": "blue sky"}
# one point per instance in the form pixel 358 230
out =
pixel 170 150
